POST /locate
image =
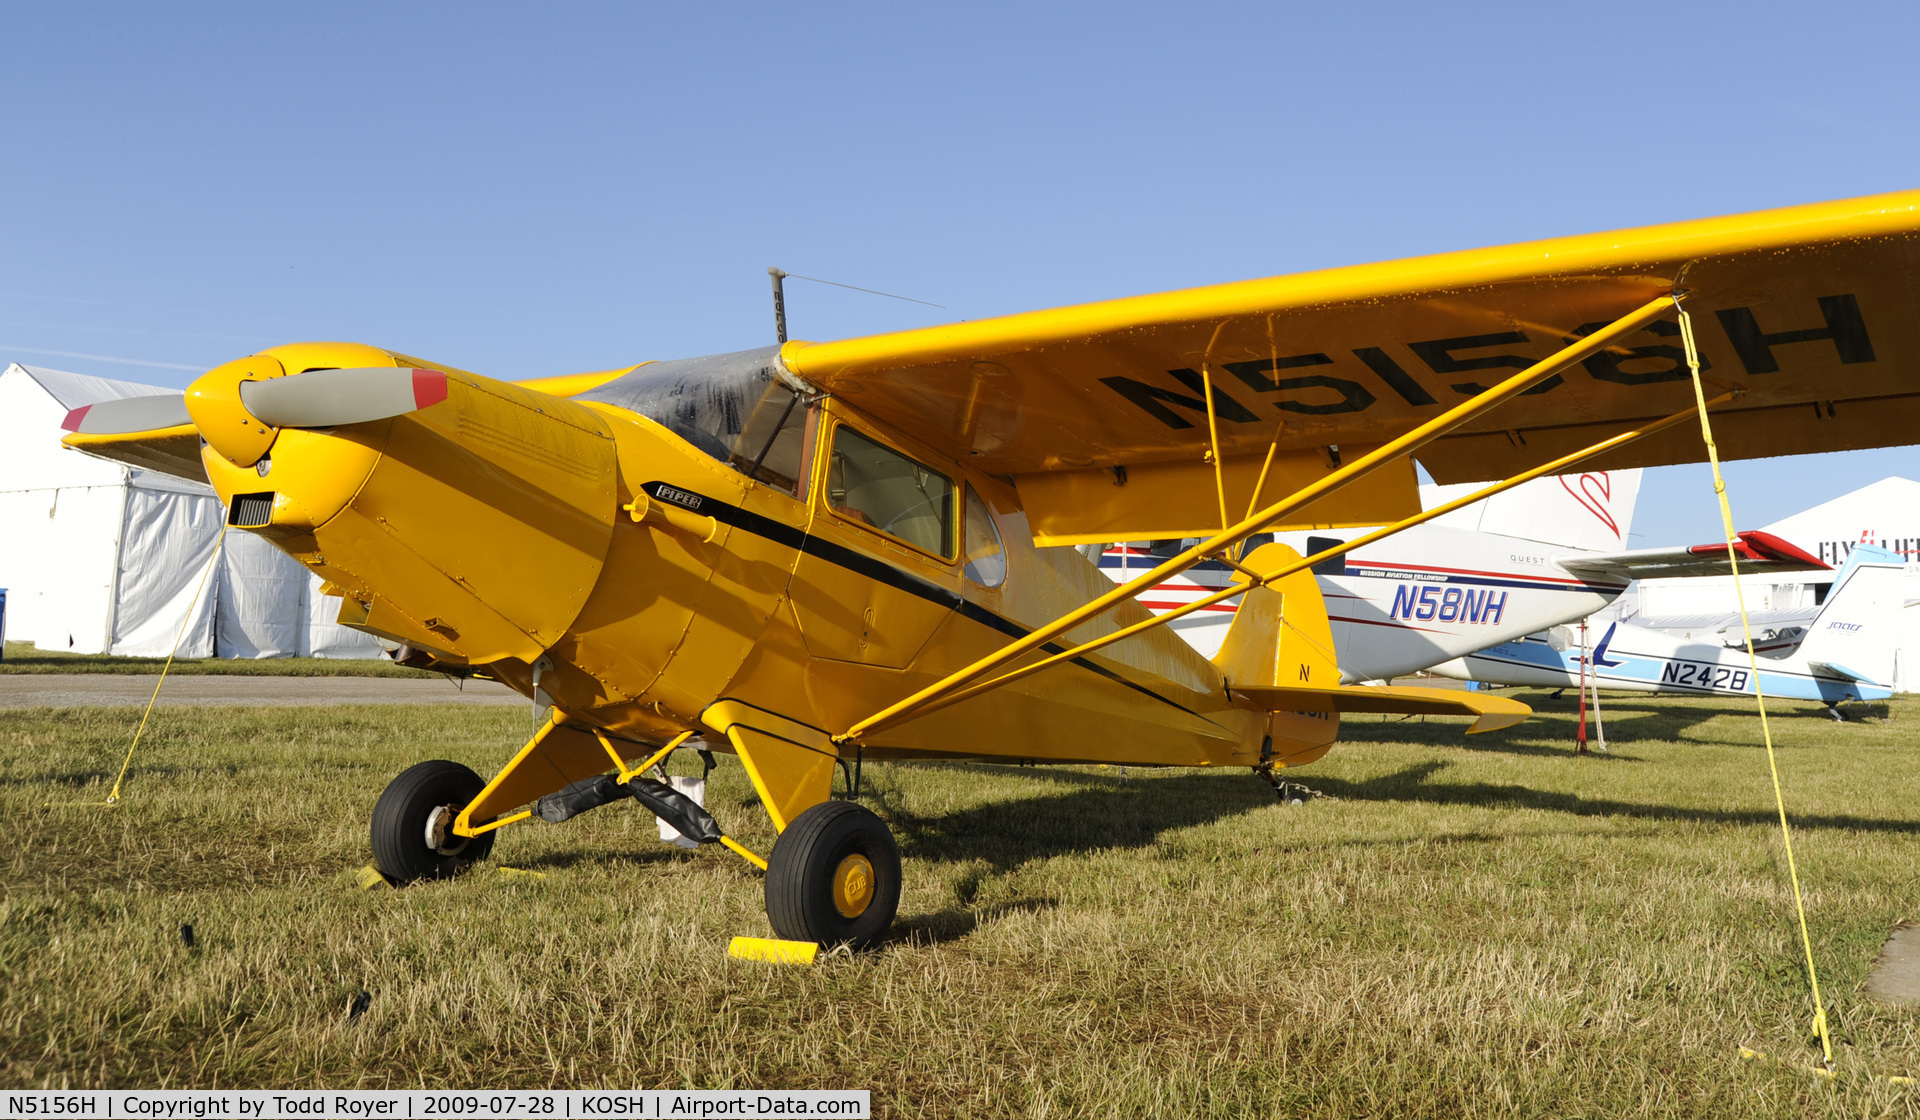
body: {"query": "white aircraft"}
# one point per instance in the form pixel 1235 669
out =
pixel 1522 562
pixel 1843 652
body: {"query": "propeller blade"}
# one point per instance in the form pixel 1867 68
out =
pixel 321 398
pixel 129 414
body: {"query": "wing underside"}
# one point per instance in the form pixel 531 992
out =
pixel 1808 312
pixel 174 451
pixel 1756 552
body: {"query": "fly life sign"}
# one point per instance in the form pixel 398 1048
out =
pixel 1427 602
pixel 1835 552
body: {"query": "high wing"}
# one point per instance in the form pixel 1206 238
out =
pixel 1808 312
pixel 172 450
pixel 1756 552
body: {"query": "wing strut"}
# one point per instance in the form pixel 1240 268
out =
pixel 1388 452
pixel 1257 580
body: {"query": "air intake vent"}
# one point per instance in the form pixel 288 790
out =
pixel 251 511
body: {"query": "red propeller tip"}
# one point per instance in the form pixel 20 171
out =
pixel 429 387
pixel 75 418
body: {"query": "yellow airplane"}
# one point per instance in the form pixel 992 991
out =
pixel 815 552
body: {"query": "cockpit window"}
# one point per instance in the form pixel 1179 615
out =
pixel 986 559
pixel 878 486
pixel 735 407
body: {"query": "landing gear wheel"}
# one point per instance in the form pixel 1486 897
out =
pixel 413 822
pixel 834 877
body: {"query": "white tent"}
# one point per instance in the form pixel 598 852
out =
pixel 98 557
pixel 1885 513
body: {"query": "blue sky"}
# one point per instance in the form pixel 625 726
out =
pixel 526 190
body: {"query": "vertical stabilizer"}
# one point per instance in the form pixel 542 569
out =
pixel 1280 636
pixel 1592 511
pixel 1856 634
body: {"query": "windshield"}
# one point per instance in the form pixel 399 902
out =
pixel 734 407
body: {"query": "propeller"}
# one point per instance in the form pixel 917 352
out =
pixel 320 398
pixel 129 414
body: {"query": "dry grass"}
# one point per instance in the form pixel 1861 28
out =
pixel 1465 927
pixel 25 657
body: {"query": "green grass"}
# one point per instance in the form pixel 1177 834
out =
pixel 1463 927
pixel 25 657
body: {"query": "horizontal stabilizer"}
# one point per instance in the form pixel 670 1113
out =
pixel 1493 712
pixel 1755 551
pixel 1830 669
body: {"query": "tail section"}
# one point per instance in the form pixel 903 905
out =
pixel 1280 636
pixel 1853 637
pixel 1279 657
pixel 1591 511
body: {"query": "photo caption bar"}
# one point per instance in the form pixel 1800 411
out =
pixel 419 1104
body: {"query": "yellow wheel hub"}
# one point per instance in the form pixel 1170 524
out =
pixel 853 886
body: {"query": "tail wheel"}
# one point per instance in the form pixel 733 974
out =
pixel 413 823
pixel 834 877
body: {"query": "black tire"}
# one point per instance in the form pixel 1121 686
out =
pixel 823 846
pixel 400 846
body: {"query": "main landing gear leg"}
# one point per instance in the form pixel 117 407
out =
pixel 1834 713
pixel 833 877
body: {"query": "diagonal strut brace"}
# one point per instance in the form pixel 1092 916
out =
pixel 1420 436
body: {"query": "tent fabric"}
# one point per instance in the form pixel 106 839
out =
pixel 270 606
pixel 165 552
pixel 262 600
pixel 325 637
pixel 101 557
pixel 57 563
pixel 71 390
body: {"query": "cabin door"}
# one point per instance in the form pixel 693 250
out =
pixel 879 573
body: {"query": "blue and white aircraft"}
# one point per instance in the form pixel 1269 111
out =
pixel 1843 652
pixel 1540 555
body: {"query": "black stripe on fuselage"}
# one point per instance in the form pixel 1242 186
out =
pixel 874 569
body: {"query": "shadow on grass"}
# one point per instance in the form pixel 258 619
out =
pixel 1550 731
pixel 1047 773
pixel 1411 784
pixel 956 922
pixel 1118 815
pixel 603 857
pixel 1007 834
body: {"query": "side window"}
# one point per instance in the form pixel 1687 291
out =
pixel 878 486
pixel 986 559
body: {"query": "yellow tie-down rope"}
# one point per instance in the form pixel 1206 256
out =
pixel 1746 632
pixel 113 798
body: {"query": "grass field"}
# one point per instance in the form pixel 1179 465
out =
pixel 1463 927
pixel 25 657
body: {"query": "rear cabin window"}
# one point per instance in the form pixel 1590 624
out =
pixel 878 486
pixel 986 559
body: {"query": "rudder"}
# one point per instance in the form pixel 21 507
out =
pixel 1854 635
pixel 1280 637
